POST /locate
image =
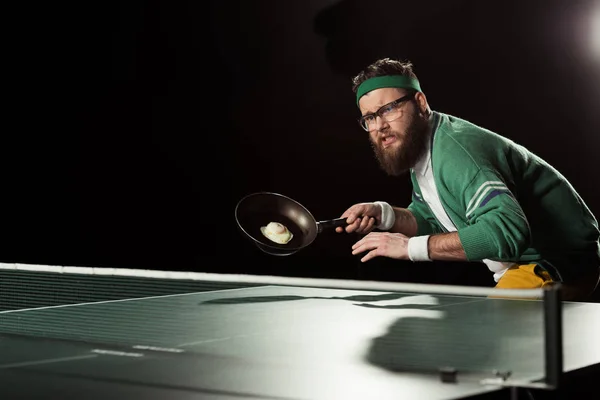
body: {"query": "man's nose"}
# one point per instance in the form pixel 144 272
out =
pixel 380 124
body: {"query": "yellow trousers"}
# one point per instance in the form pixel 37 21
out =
pixel 524 277
pixel 530 276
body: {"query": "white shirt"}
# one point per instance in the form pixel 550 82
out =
pixel 424 174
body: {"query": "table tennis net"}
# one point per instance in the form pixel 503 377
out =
pixel 405 327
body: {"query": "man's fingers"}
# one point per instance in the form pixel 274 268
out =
pixel 355 212
pixel 370 255
pixel 370 237
pixel 364 224
pixel 353 226
pixel 381 244
pixel 371 223
pixel 367 243
pixel 351 218
pixel 356 220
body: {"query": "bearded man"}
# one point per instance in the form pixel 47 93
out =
pixel 477 196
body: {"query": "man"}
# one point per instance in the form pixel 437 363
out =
pixel 477 196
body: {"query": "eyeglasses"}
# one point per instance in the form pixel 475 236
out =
pixel 388 112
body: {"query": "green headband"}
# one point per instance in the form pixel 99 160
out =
pixel 387 81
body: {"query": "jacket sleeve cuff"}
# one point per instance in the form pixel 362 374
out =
pixel 476 242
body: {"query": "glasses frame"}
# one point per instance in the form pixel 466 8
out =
pixel 396 103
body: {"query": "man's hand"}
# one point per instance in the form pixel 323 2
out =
pixel 392 245
pixel 361 218
pixel 444 247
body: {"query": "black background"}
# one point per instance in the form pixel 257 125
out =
pixel 132 129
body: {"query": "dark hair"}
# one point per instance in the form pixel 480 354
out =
pixel 382 67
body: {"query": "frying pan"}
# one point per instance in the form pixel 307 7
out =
pixel 258 209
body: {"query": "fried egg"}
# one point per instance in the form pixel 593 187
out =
pixel 276 232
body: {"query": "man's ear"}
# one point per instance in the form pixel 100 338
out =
pixel 422 103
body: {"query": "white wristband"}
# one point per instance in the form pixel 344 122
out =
pixel 418 249
pixel 388 217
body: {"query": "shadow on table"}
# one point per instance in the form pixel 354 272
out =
pixel 479 338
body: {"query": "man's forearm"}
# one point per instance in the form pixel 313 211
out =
pixel 405 222
pixel 443 246
pixel 446 247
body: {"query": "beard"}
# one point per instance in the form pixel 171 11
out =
pixel 396 161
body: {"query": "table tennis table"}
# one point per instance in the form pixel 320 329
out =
pixel 144 338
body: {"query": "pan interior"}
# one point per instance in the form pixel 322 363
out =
pixel 257 210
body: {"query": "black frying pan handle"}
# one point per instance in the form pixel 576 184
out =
pixel 331 223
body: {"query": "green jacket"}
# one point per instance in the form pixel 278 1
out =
pixel 506 202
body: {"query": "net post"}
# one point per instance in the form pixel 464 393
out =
pixel 553 352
